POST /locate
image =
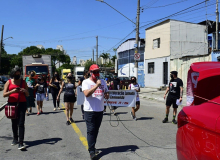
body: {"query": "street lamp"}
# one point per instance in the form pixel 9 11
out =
pixel 137 31
pixel 7 38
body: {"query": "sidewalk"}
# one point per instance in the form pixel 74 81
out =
pixel 154 94
pixel 2 101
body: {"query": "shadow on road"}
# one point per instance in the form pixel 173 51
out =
pixel 145 118
pixel 7 138
pixel 50 141
pixel 128 148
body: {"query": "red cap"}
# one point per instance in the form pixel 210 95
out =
pixel 94 67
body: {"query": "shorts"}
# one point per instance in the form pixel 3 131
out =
pixel 40 96
pixel 69 98
pixel 137 102
pixel 171 101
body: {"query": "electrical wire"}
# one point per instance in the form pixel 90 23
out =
pixel 165 5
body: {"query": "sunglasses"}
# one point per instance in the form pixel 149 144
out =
pixel 95 72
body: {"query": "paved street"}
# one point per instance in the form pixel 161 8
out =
pixel 48 137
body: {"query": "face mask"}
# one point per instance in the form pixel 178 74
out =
pixel 171 76
pixel 39 80
pixel 32 75
pixel 70 78
pixel 115 76
pixel 88 74
pixel 55 75
pixel 132 81
pixel 95 76
pixel 16 77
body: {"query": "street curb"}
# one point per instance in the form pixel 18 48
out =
pixel 3 106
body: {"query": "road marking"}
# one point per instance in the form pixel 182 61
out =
pixel 79 133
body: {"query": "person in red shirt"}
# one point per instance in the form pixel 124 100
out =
pixel 16 94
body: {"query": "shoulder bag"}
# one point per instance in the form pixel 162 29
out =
pixel 11 111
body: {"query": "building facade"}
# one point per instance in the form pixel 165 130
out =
pixel 125 54
pixel 173 45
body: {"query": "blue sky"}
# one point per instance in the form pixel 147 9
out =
pixel 76 23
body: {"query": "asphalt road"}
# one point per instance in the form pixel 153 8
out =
pixel 48 137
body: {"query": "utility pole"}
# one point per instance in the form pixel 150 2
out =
pixel 96 49
pixel 217 21
pixel 137 39
pixel 93 56
pixel 1 43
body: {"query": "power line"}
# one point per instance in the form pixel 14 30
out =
pixel 165 5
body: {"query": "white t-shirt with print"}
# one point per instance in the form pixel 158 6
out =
pixel 95 102
pixel 133 87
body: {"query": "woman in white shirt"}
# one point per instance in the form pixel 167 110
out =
pixel 135 86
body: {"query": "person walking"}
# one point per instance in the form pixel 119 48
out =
pixel 41 88
pixel 48 86
pixel 116 86
pixel 30 99
pixel 95 90
pixel 16 89
pixel 85 76
pixel 135 86
pixel 69 97
pixel 175 90
pixel 54 84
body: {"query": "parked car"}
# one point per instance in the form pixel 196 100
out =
pixel 198 134
pixel 3 79
pixel 124 82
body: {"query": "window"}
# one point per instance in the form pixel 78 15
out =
pixel 151 67
pixel 156 43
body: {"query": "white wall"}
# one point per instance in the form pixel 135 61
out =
pixel 155 80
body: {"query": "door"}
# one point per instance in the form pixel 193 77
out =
pixel 165 72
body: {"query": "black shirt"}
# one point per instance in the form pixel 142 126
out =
pixel 174 87
pixel 41 87
pixel 116 82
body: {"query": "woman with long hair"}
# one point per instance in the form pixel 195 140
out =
pixel 54 84
pixel 135 86
pixel 69 97
pixel 16 89
pixel 41 88
pixel 30 99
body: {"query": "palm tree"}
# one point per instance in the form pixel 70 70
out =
pixel 115 49
pixel 105 56
pixel 114 58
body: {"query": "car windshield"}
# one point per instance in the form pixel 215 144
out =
pixel 80 73
pixel 37 69
pixel 65 73
pixel 123 78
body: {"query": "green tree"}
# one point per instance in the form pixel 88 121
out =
pixel 105 56
pixel 88 64
pixel 114 58
pixel 115 50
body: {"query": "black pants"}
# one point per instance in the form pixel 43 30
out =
pixel 82 109
pixel 54 95
pixel 18 124
pixel 93 122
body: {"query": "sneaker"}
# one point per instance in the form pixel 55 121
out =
pixel 21 146
pixel 97 151
pixel 14 142
pixel 54 109
pixel 71 120
pixel 174 121
pixel 30 111
pixel 165 120
pixel 27 114
pixel 132 115
pixel 68 123
pixel 92 155
pixel 135 118
pixel 38 113
pixel 41 111
pixel 58 108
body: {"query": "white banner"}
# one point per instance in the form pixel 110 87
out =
pixel 121 98
pixel 118 98
pixel 80 96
